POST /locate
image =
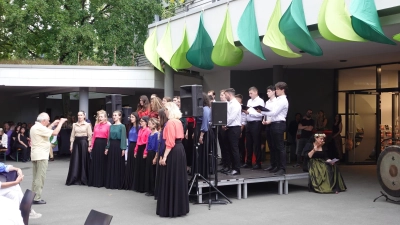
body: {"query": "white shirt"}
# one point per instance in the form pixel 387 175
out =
pixel 253 114
pixel 4 140
pixel 270 105
pixel 279 110
pixel 234 113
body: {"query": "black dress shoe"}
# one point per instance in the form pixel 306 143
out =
pixel 224 170
pixel 234 172
pixel 245 166
pixel 274 170
pixel 149 194
pixel 256 167
pixel 269 168
pixel 39 202
pixel 279 173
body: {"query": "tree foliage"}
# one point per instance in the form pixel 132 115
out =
pixel 71 30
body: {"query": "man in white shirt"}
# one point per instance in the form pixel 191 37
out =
pixel 253 129
pixel 267 121
pixel 3 139
pixel 40 135
pixel 233 129
pixel 278 114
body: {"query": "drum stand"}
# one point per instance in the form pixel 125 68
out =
pixel 197 175
pixel 387 198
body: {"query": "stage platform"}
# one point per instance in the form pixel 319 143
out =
pixel 249 176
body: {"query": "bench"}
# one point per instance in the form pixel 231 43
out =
pixel 295 176
pixel 4 151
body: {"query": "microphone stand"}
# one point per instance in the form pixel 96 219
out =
pixel 197 175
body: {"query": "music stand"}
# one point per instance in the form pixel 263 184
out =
pixel 197 175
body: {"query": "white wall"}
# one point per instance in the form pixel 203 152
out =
pixel 76 76
pixel 216 81
pixel 214 17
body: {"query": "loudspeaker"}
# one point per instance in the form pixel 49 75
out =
pixel 191 100
pixel 219 113
pixel 126 113
pixel 113 102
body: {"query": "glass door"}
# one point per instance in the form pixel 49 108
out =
pixel 361 127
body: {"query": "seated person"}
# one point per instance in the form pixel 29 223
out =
pixel 12 190
pixel 3 139
pixel 324 174
pixel 9 215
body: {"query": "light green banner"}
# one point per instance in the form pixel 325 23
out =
pixel 225 53
pixel 178 60
pixel 150 46
pixel 396 37
pixel 164 48
pixel 334 22
pixel 274 38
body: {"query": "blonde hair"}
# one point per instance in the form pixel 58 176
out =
pixel 156 123
pixel 156 104
pixel 173 111
pixel 98 115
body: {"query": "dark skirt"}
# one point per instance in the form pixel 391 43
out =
pixel 98 163
pixel 157 182
pixel 173 198
pixel 325 178
pixel 150 174
pixel 200 163
pixel 130 167
pixel 115 165
pixel 188 143
pixel 139 171
pixel 79 163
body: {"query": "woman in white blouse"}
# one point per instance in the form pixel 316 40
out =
pixel 81 136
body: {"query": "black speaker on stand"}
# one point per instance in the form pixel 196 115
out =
pixel 191 100
pixel 113 102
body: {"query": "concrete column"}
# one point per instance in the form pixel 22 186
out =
pixel 84 100
pixel 42 102
pixel 168 81
pixel 277 74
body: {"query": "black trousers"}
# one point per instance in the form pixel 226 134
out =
pixel 273 158
pixel 222 140
pixel 242 146
pixel 253 141
pixel 233 135
pixel 277 131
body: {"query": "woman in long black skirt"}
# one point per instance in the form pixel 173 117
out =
pixel 141 148
pixel 132 138
pixel 152 155
pixel 98 158
pixel 173 198
pixel 161 148
pixel 115 152
pixel 81 136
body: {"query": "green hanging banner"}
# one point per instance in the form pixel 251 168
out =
pixel 293 26
pixel 334 22
pixel 365 21
pixel 225 53
pixel 199 54
pixel 164 48
pixel 150 46
pixel 274 38
pixel 178 60
pixel 248 32
pixel 397 37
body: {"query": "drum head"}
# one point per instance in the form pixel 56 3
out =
pixel 388 169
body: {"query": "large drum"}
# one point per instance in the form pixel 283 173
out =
pixel 388 169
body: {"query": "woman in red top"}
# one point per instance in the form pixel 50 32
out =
pixel 141 155
pixel 143 108
pixel 173 199
pixel 155 106
pixel 97 169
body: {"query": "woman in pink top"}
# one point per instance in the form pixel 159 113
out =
pixel 97 168
pixel 141 155
pixel 173 199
